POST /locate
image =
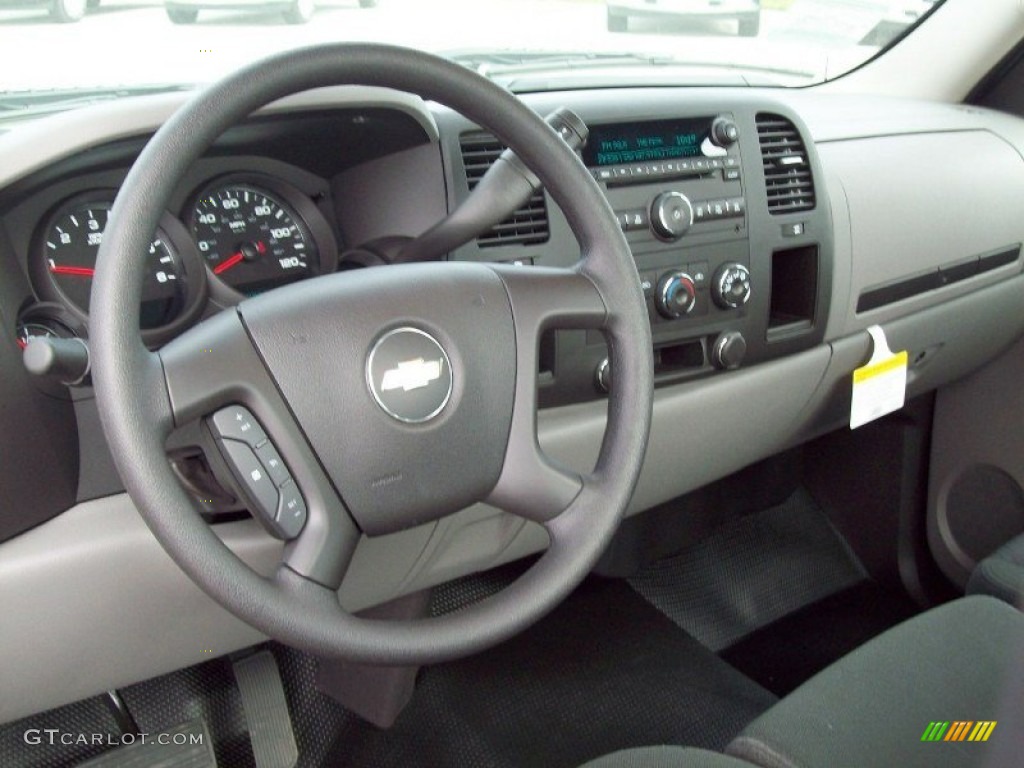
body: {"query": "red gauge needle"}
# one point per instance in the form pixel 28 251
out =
pixel 22 343
pixel 76 271
pixel 228 263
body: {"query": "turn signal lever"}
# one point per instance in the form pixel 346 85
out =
pixel 505 187
pixel 65 360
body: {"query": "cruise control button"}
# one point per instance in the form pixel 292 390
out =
pixel 236 423
pixel 272 462
pixel 254 477
pixel 291 512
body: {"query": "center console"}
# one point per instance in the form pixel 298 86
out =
pixel 725 212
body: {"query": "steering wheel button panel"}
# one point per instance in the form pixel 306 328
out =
pixel 291 510
pixel 254 479
pixel 273 463
pixel 236 423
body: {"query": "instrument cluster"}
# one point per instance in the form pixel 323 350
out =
pixel 232 235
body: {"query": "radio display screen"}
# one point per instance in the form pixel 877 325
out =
pixel 622 143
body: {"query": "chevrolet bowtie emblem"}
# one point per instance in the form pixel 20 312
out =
pixel 412 374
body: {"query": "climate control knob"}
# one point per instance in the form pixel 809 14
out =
pixel 676 295
pixel 730 287
pixel 671 215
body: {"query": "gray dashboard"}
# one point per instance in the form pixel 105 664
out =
pixel 908 196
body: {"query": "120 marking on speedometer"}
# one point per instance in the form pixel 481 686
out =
pixel 250 238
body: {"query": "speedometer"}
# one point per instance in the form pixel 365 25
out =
pixel 252 238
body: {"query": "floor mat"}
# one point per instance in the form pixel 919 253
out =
pixel 603 672
pixel 783 655
pixel 751 572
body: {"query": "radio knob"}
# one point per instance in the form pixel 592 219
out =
pixel 671 215
pixel 724 132
pixel 676 295
pixel 729 350
pixel 730 287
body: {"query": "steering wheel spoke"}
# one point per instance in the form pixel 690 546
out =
pixel 214 373
pixel 530 485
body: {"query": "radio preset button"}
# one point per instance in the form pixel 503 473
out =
pixel 632 220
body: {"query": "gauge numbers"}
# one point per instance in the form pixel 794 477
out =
pixel 70 245
pixel 251 238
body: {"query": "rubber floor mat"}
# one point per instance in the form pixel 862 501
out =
pixel 784 654
pixel 751 572
pixel 603 672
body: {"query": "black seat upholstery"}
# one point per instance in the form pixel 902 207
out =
pixel 1001 574
pixel 960 663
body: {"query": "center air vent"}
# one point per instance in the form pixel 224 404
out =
pixel 787 172
pixel 528 225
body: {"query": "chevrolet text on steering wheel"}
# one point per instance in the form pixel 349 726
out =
pixel 392 396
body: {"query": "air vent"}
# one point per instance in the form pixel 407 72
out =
pixel 787 172
pixel 528 225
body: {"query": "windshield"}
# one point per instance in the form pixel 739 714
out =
pixel 57 46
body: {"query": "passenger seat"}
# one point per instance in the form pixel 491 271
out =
pixel 1001 574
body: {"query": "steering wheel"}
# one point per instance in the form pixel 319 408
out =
pixel 395 395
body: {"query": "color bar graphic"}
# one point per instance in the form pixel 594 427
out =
pixel 958 730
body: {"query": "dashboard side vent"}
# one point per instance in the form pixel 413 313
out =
pixel 787 170
pixel 528 225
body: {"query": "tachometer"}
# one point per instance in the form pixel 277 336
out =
pixel 74 238
pixel 252 238
pixel 65 259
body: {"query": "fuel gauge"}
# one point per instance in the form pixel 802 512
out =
pixel 31 330
pixel 47 320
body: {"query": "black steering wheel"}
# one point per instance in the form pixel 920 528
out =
pixel 395 395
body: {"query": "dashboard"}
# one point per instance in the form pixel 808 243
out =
pixel 770 230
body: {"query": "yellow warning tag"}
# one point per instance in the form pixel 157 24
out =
pixel 880 387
